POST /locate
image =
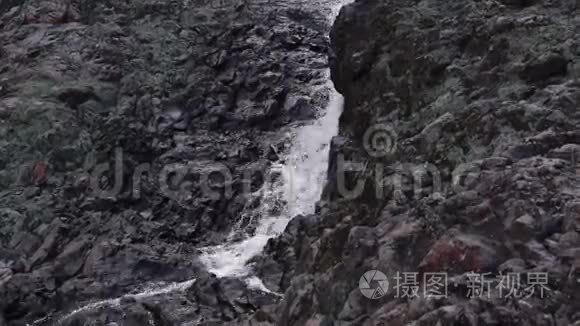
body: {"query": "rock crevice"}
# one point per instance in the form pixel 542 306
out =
pixel 479 175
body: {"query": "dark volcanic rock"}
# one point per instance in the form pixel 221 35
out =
pixel 474 171
pixel 126 131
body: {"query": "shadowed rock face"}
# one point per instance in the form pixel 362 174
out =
pixel 142 86
pixel 145 85
pixel 493 84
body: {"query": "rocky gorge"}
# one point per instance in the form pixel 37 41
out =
pixel 460 118
pixel 489 87
pixel 117 121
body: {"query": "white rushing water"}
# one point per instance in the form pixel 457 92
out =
pixel 303 177
pixel 148 292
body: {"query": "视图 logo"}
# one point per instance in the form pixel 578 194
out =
pixel 374 285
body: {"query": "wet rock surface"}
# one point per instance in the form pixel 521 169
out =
pixel 480 100
pixel 116 115
pixel 127 129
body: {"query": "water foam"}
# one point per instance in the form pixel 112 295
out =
pixel 148 292
pixel 303 178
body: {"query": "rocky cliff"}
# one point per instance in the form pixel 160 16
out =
pixel 112 113
pixel 456 155
pixel 460 130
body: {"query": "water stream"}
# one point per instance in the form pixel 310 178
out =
pixel 303 173
pixel 303 176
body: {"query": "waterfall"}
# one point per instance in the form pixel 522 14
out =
pixel 303 174
pixel 303 177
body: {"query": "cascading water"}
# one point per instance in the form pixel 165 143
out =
pixel 150 291
pixel 303 176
